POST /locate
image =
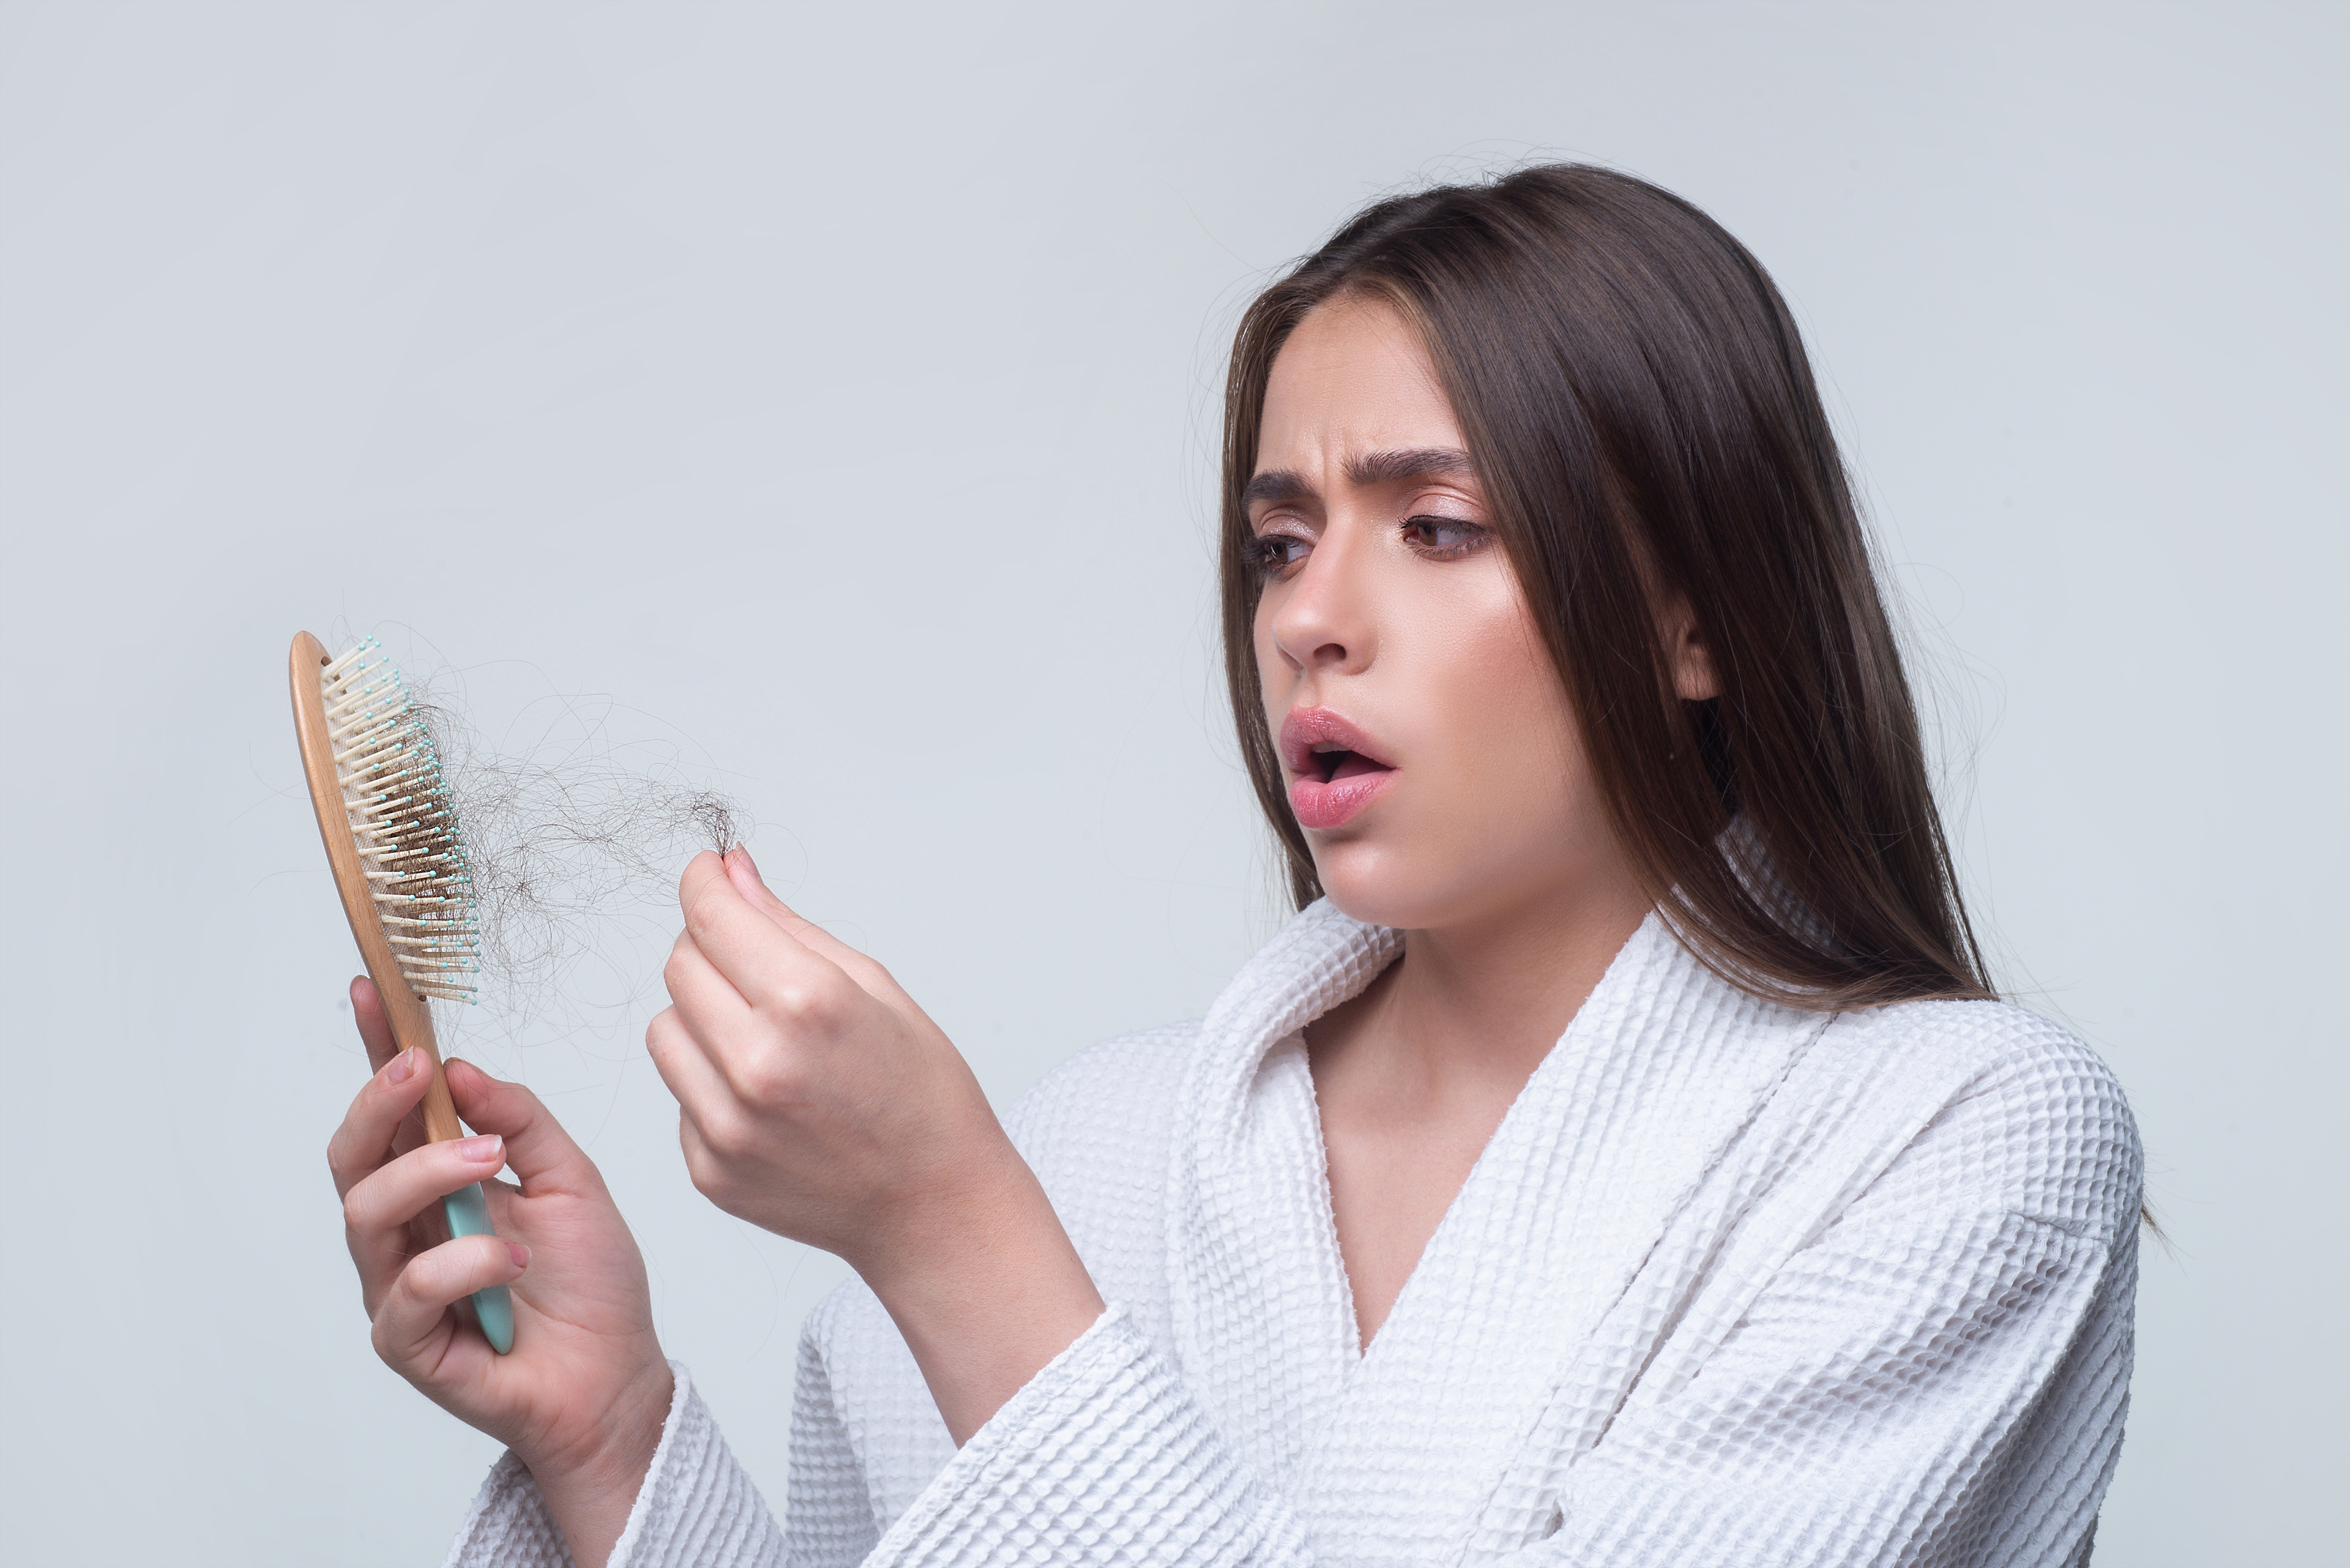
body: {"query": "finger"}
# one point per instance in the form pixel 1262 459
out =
pixel 537 1150
pixel 707 998
pixel 365 1139
pixel 750 1063
pixel 742 872
pixel 376 1036
pixel 413 1321
pixel 375 1025
pixel 377 1212
pixel 771 969
pixel 708 1173
pixel 702 1091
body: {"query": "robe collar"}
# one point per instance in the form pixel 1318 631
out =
pixel 1660 1071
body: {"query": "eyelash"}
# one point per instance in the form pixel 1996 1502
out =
pixel 1269 551
pixel 1265 554
pixel 1473 537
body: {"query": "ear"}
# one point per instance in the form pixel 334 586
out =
pixel 1692 661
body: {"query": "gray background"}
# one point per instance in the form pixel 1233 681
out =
pixel 827 394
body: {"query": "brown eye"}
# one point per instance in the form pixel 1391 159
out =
pixel 1276 553
pixel 1443 536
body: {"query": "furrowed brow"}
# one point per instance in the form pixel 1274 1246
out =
pixel 1421 462
pixel 1364 468
pixel 1276 484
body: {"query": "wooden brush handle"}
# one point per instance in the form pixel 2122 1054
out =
pixel 409 1015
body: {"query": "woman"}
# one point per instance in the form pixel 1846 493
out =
pixel 1621 1158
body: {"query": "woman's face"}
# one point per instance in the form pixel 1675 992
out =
pixel 1424 733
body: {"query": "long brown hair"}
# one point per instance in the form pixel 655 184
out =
pixel 1644 423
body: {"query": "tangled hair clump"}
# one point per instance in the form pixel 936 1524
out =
pixel 574 841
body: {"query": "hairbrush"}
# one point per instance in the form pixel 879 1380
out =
pixel 398 856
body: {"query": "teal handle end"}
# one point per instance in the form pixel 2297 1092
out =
pixel 468 1209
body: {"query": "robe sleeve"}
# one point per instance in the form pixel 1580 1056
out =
pixel 695 1508
pixel 1938 1377
pixel 828 1511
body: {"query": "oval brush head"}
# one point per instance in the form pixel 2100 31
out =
pixel 404 822
pixel 399 855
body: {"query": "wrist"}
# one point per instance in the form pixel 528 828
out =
pixel 590 1486
pixel 986 1288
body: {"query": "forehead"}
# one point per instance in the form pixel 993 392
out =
pixel 1352 378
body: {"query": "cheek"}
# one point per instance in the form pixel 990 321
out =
pixel 1506 730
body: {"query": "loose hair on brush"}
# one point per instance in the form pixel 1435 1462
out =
pixel 1644 423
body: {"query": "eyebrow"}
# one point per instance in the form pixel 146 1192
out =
pixel 1364 468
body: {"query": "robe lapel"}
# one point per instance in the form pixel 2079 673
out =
pixel 1655 1079
pixel 1263 1321
pixel 1659 1075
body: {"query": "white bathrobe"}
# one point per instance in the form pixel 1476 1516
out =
pixel 1731 1285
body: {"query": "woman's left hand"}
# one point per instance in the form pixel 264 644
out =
pixel 820 1103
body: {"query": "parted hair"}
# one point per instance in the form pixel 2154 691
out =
pixel 1645 426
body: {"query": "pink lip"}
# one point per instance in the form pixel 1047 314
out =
pixel 1323 803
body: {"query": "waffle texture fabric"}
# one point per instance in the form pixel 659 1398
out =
pixel 1730 1284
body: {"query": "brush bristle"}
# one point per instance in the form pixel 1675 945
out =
pixel 405 822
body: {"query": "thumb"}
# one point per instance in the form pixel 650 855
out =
pixel 538 1151
pixel 744 872
pixel 742 876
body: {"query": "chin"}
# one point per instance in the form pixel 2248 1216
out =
pixel 1376 884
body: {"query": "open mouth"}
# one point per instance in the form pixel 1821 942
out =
pixel 1335 763
pixel 1333 766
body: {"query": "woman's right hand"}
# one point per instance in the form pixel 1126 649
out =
pixel 583 1396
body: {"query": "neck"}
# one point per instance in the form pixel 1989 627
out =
pixel 1478 1004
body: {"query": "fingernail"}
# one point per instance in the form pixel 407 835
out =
pixel 520 1253
pixel 749 865
pixel 482 1150
pixel 401 1067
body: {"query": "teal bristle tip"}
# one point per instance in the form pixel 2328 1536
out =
pixel 418 870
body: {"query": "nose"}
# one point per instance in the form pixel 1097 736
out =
pixel 1321 622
